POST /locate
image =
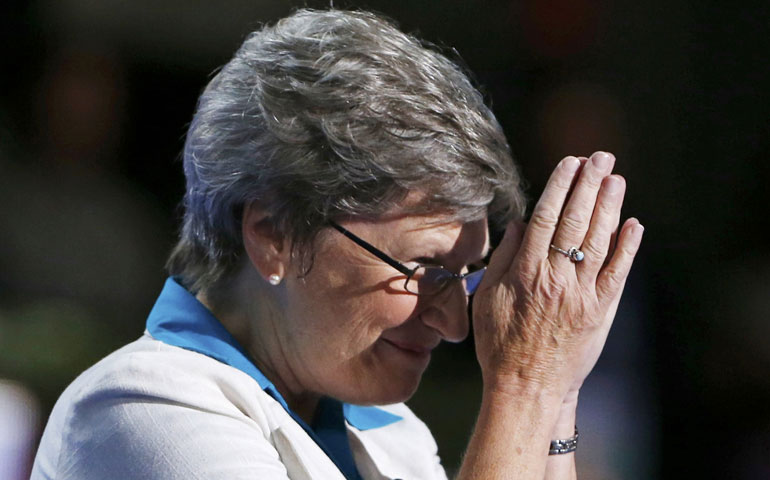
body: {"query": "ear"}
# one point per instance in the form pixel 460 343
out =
pixel 264 245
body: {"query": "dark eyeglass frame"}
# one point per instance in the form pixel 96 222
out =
pixel 468 286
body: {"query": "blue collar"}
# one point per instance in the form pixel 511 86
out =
pixel 179 319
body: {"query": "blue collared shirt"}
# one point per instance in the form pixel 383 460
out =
pixel 179 319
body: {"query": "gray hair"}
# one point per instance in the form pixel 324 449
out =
pixel 328 114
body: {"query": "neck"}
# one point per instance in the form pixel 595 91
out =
pixel 251 311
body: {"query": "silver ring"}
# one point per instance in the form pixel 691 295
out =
pixel 573 253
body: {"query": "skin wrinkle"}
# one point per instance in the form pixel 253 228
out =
pixel 547 282
pixel 352 281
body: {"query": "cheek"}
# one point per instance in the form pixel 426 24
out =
pixel 340 309
pixel 361 321
pixel 386 310
pixel 345 317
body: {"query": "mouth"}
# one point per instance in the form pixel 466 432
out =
pixel 412 349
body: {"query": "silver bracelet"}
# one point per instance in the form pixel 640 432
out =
pixel 564 446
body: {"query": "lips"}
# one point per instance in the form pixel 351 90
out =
pixel 412 347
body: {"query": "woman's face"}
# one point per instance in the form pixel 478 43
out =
pixel 351 331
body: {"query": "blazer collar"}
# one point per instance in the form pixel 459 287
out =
pixel 179 319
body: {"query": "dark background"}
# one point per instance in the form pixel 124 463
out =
pixel 96 97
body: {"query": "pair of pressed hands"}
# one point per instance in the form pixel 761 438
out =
pixel 541 320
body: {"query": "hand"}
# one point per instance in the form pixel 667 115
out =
pixel 541 320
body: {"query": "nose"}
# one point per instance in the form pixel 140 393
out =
pixel 447 313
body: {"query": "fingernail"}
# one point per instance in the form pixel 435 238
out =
pixel 613 184
pixel 638 230
pixel 601 160
pixel 571 164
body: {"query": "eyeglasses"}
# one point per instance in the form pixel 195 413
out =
pixel 422 279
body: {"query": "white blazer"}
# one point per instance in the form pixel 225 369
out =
pixel 156 411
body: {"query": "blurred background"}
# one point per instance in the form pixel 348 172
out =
pixel 94 102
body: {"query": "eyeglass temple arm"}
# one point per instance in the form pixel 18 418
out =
pixel 372 249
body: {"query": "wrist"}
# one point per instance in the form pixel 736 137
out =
pixel 538 408
pixel 561 457
pixel 564 445
pixel 567 419
pixel 571 398
pixel 565 422
pixel 518 388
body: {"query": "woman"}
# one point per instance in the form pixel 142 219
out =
pixel 340 177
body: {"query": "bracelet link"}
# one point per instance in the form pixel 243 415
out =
pixel 566 445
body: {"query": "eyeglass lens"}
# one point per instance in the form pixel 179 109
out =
pixel 431 280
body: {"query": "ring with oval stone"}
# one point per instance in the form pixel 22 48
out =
pixel 573 253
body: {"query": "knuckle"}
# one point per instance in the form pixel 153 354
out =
pixel 626 252
pixel 605 208
pixel 609 275
pixel 593 179
pixel 544 219
pixel 563 183
pixel 611 278
pixel 595 251
pixel 573 221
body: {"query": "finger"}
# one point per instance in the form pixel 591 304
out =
pixel 545 216
pixel 502 257
pixel 583 161
pixel 603 222
pixel 612 278
pixel 577 214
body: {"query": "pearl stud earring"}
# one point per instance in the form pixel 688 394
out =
pixel 274 279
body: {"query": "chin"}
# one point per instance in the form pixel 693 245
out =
pixel 396 390
pixel 392 375
pixel 384 378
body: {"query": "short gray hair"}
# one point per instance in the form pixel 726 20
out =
pixel 330 114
